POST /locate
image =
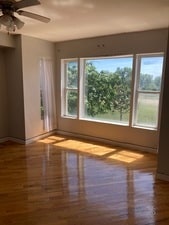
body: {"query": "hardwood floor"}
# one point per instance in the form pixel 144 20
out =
pixel 63 181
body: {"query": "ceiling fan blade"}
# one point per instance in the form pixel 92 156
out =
pixel 25 3
pixel 33 16
pixel 19 24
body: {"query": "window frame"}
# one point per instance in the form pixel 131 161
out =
pixel 135 76
pixel 81 89
pixel 65 89
pixel 137 91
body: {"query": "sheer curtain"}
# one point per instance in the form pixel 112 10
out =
pixel 48 93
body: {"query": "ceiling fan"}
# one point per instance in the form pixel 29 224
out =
pixel 9 7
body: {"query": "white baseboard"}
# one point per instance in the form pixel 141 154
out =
pixel 106 141
pixel 161 176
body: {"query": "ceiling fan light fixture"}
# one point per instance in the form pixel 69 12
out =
pixel 18 23
pixel 8 8
pixel 8 22
pixel 11 27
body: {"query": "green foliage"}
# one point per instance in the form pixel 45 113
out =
pixel 98 91
pixel 122 91
pixel 148 82
pixel 72 102
pixel 157 82
pixel 72 75
pixel 107 91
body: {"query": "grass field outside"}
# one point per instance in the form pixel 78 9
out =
pixel 146 114
pixel 147 110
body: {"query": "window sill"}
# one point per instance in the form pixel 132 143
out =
pixel 144 128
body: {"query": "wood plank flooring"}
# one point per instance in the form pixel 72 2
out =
pixel 64 181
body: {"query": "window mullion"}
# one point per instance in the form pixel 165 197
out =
pixel 136 85
pixel 81 87
pixel 65 89
pixel 148 92
pixel 132 103
pixel 78 90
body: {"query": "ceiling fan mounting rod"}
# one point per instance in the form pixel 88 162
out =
pixel 8 9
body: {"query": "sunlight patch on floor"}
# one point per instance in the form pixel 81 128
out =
pixel 47 141
pixel 57 138
pixel 85 147
pixel 51 139
pixel 122 155
pixel 126 156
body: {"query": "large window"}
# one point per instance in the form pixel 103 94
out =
pixel 148 87
pixel 103 89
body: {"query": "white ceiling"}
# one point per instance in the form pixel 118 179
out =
pixel 74 19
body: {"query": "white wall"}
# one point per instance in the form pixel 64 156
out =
pixel 130 43
pixel 32 50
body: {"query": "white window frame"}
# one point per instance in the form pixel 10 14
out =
pixel 81 89
pixel 136 67
pixel 137 91
pixel 65 89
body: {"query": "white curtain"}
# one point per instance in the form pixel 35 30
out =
pixel 48 93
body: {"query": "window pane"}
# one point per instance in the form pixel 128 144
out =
pixel 150 73
pixel 72 74
pixel 71 103
pixel 107 89
pixel 147 110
